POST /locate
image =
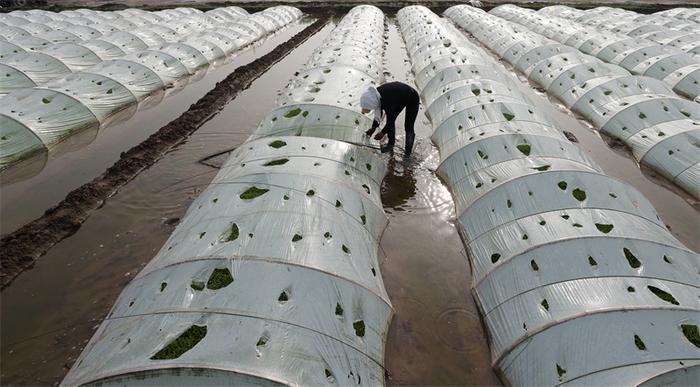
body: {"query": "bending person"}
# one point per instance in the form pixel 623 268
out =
pixel 391 98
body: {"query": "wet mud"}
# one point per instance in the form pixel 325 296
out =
pixel 436 336
pixel 20 249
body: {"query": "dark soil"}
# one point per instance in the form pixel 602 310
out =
pixel 20 249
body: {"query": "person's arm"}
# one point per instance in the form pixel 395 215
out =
pixel 391 116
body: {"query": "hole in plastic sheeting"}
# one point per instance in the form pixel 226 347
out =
pixel 366 187
pixel 560 371
pixel 363 219
pixel 346 250
pixel 197 285
pixel 329 376
pixel 685 113
pixel 297 238
pixel 483 155
pixel 562 185
pixel 305 113
pixel 292 113
pixel 631 289
pixel 542 168
pixel 579 194
pixel 639 343
pixel 338 309
pixel 691 333
pixel 262 341
pixel 284 297
pixel 202 234
pixel 359 327
pixel 163 285
pixel 276 162
pixel 285 197
pixel 592 261
pixel 495 257
pixel 534 266
pixel 509 204
pixel 642 116
pixel 45 100
pixel 668 297
pixel 186 341
pixel 253 192
pixel 565 217
pixel 631 258
pixel 277 144
pixel 233 234
pixel 604 228
pixel 525 237
pixel 545 304
pixel 374 272
pixel 476 91
pixel 524 149
pixel 368 166
pixel 338 204
pixel 542 222
pixel 219 278
pixel 310 192
pixel 667 259
pixel 578 225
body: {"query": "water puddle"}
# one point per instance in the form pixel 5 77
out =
pixel 51 311
pixel 436 337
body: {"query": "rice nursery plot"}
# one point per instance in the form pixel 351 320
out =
pixel 544 231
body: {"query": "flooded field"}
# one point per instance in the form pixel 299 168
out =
pixel 436 337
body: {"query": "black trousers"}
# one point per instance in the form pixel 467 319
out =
pixel 409 122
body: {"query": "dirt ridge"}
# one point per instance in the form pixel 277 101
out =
pixel 20 249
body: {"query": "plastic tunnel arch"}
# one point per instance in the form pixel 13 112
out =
pixel 577 279
pixel 272 277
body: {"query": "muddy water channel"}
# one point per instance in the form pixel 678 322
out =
pixel 436 337
pixel 31 187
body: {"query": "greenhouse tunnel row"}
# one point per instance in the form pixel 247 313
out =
pixel 664 30
pixel 83 71
pixel 690 14
pixel 577 278
pixel 272 276
pixel 661 129
pixel 680 70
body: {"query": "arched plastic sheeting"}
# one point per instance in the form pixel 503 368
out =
pixel 345 84
pixel 52 116
pixel 36 28
pixel 637 110
pixel 207 48
pixel 347 56
pixel 126 41
pixel 638 55
pixel 569 266
pixel 7 48
pixel 104 96
pixel 168 68
pixel 149 37
pixel 38 67
pixel 12 33
pixel 103 49
pixel 12 79
pixel 17 142
pixel 189 56
pixel 76 57
pixel 225 43
pixel 301 251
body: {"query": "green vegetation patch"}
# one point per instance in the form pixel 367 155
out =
pixel 233 234
pixel 631 259
pixel 476 91
pixel 604 228
pixel 338 310
pixel 252 193
pixel 186 341
pixel 691 333
pixel 524 149
pixel 276 162
pixel 197 285
pixel 534 266
pixel 545 304
pixel 292 113
pixel 297 238
pixel 639 343
pixel 542 168
pixel 562 185
pixel 495 257
pixel 284 297
pixel 560 371
pixel 219 278
pixel 359 328
pixel 579 194
pixel 592 261
pixel 668 297
pixel 277 144
pixel 508 116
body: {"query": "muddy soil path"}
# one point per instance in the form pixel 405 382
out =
pixel 51 311
pixel 20 249
pixel 436 336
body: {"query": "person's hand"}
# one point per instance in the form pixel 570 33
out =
pixel 379 136
pixel 369 132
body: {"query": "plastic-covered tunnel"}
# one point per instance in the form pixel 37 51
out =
pixel 272 276
pixel 76 82
pixel 640 54
pixel 661 129
pixel 578 280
